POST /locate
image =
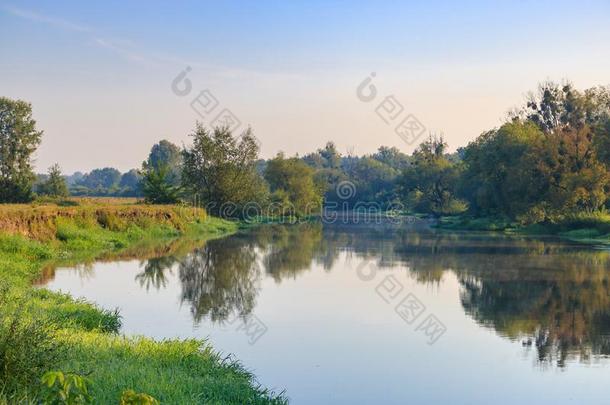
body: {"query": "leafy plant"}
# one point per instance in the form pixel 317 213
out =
pixel 69 388
pixel 27 346
pixel 130 397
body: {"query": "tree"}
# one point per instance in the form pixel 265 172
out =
pixel 391 157
pixel 55 184
pixel 374 180
pixel 293 186
pixel 327 162
pixel 157 187
pixel 165 154
pixel 19 139
pixel 576 179
pixel 221 170
pixel 429 184
pixel 325 158
pixel 501 177
pixel 131 183
pixel 101 179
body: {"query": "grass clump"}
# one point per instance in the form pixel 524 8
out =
pixel 172 371
pixel 28 345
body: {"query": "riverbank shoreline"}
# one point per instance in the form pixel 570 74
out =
pixel 36 238
pixel 590 229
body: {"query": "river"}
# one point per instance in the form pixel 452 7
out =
pixel 350 314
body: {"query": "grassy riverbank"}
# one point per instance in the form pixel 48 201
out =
pixel 77 336
pixel 584 228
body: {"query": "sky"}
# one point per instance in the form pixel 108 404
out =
pixel 100 75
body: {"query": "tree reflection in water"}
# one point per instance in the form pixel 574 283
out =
pixel 551 296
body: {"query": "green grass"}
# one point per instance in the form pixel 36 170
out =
pixel 475 223
pixel 173 371
pixel 589 228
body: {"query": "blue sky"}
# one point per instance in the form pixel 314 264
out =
pixel 99 74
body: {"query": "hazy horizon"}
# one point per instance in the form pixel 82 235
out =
pixel 99 80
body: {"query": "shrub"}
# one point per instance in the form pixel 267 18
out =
pixel 130 397
pixel 27 345
pixel 69 388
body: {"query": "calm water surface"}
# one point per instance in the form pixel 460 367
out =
pixel 356 314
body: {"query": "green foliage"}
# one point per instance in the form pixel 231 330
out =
pixel 130 397
pixel 101 179
pixel 55 184
pixel 158 186
pixel 429 184
pixel 165 156
pixel 69 389
pixel 19 139
pixel 501 174
pixel 130 183
pixel 549 162
pixel 27 344
pixel 221 170
pixel 293 186
pixel 173 371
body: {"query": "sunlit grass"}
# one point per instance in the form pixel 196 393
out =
pixel 34 238
pixel 173 371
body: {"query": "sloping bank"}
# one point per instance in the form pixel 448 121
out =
pixel 83 338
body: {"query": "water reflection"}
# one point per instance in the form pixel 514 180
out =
pixel 552 297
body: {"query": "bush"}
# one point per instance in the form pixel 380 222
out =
pixel 27 345
pixel 130 397
pixel 69 388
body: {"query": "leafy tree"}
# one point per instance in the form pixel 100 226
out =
pixel 374 180
pixel 576 179
pixel 158 188
pixel 221 170
pixel 130 183
pixel 556 106
pixel 391 157
pixel 101 179
pixel 293 184
pixel 19 139
pixel 55 184
pixel 165 154
pixel 501 176
pixel 429 184
pixel 327 162
pixel 325 158
pixel 549 161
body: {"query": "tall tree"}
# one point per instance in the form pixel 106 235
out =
pixel 158 188
pixel 55 184
pixel 221 170
pixel 501 176
pixel 19 139
pixel 293 186
pixel 430 183
pixel 165 155
pixel 131 183
pixel 101 179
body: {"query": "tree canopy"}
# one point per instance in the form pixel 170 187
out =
pixel 19 139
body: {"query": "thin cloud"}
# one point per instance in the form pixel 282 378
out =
pixel 125 48
pixel 121 50
pixel 41 18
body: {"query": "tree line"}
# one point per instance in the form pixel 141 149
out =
pixel 550 158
